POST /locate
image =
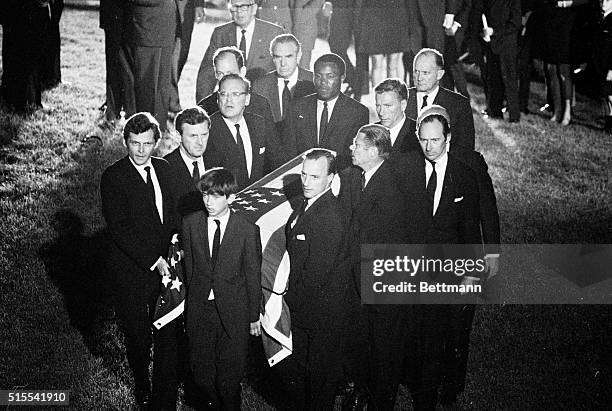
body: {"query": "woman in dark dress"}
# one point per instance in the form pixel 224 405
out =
pixel 384 33
pixel 558 19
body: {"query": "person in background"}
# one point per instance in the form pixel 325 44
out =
pixel 603 61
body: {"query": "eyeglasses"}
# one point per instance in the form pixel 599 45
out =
pixel 232 94
pixel 240 7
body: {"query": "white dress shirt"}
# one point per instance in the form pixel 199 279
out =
pixel 189 162
pixel 248 35
pixel 330 108
pixel 212 228
pixel 431 96
pixel 281 86
pixel 159 200
pixel 394 131
pixel 246 140
pixel 441 164
pixel 368 174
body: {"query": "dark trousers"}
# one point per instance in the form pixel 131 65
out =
pixel 502 79
pixel 525 65
pixel 135 313
pixel 119 78
pixel 152 71
pixel 217 361
pixel 311 373
pixel 386 329
pixel 341 30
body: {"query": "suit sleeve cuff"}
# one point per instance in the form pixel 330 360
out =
pixel 155 264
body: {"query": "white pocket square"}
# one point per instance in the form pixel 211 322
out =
pixel 300 116
pixel 301 237
pixel 262 150
pixel 456 200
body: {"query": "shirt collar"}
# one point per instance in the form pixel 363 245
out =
pixel 431 96
pixel 292 79
pixel 222 219
pixel 250 28
pixel 141 168
pixel 188 160
pixel 396 128
pixel 330 103
pixel 232 126
pixel 312 200
pixel 368 174
pixel 441 162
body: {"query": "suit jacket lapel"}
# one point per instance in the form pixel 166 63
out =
pixel 337 114
pixel 203 229
pixel 310 117
pixel 447 195
pixel 411 108
pixel 257 36
pixel 229 236
pixel 273 87
pixel 256 144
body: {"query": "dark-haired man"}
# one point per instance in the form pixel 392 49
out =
pixel 288 81
pixel 138 206
pixel 187 161
pixel 250 35
pixel 230 60
pixel 428 69
pixel 244 143
pixel 327 118
pixel 391 97
pixel 223 270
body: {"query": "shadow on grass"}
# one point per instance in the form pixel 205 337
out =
pixel 75 264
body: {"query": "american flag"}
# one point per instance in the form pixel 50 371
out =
pixel 267 203
pixel 171 301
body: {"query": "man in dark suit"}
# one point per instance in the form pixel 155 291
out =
pixel 374 204
pixel 149 40
pixel 229 60
pixel 501 50
pixel 445 194
pixel 391 101
pixel 252 36
pixel 223 274
pixel 119 78
pixel 244 143
pixel 454 35
pixel 288 81
pixel 317 289
pixel 428 70
pixel 191 12
pixel 187 161
pixel 138 206
pixel 328 118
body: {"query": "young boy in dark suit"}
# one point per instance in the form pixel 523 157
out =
pixel 222 262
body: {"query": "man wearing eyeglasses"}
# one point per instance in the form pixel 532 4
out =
pixel 252 36
pixel 242 142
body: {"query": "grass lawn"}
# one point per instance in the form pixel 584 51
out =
pixel 56 326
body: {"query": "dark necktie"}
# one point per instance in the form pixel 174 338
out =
pixel 363 180
pixel 150 188
pixel 241 148
pixel 431 185
pixel 216 244
pixel 286 98
pixel 300 212
pixel 242 45
pixel 196 172
pixel 424 102
pixel 323 124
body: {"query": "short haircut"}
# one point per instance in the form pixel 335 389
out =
pixel 219 181
pixel 378 136
pixel 330 156
pixel 284 39
pixel 192 115
pixel 331 58
pixel 393 84
pixel 229 50
pixel 430 119
pixel 438 57
pixel 245 81
pixel 140 123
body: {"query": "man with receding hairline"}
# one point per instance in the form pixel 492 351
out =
pixel 391 96
pixel 428 69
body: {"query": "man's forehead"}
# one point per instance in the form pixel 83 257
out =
pixel 427 61
pixel 232 84
pixel 315 166
pixel 387 96
pixel 327 67
pixel 144 136
pixel 241 2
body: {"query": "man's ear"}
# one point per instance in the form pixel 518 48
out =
pixel 231 198
pixel 440 74
pixel 404 105
pixel 243 71
pixel 247 100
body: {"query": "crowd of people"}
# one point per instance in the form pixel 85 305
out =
pixel 411 178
